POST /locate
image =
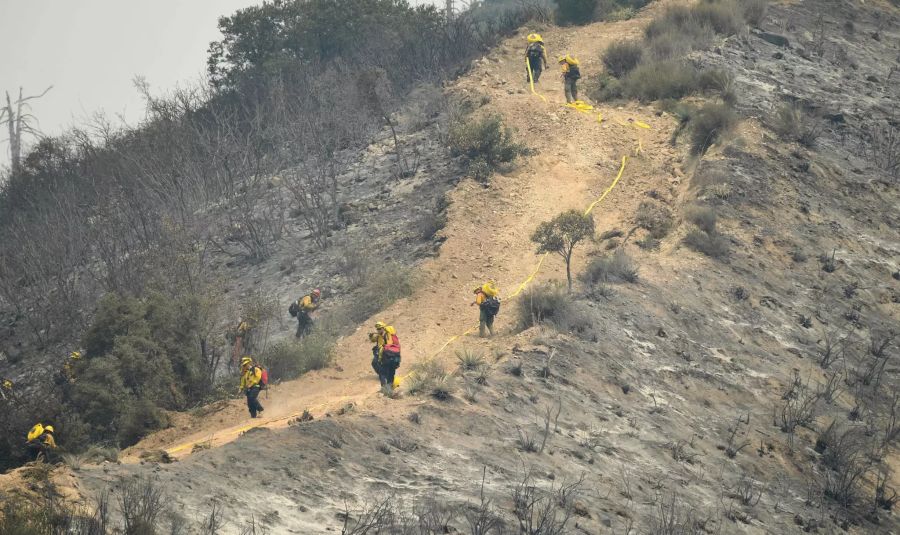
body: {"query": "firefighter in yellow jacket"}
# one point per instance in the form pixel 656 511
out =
pixel 303 309
pixel 40 442
pixel 487 297
pixel 385 353
pixel 570 74
pixel 251 384
pixel 536 58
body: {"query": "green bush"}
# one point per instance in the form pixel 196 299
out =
pixel 292 358
pixel 485 144
pixel 622 57
pixel 657 80
pixel 575 11
pixel 708 125
pixel 142 357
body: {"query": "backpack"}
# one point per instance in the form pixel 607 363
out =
pixel 535 51
pixel 574 72
pixel 491 305
pixel 264 377
pixel 35 432
pixel 294 309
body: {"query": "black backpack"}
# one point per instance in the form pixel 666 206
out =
pixel 491 305
pixel 535 51
pixel 574 72
pixel 294 309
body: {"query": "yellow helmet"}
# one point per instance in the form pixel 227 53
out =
pixel 568 59
pixel 245 361
pixel 48 429
pixel 75 355
pixel 534 38
pixel 380 325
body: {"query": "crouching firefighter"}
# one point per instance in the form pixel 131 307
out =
pixel 40 442
pixel 253 379
pixel 487 297
pixel 385 353
pixel 302 309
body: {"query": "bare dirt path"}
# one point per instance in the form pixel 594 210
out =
pixel 488 230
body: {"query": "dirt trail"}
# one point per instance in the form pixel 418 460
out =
pixel 488 230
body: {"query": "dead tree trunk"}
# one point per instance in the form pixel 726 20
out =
pixel 18 121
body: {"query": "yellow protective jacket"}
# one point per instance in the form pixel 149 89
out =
pixel 307 304
pixel 389 339
pixel 243 328
pixel 48 440
pixel 250 377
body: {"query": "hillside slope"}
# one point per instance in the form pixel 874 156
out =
pixel 642 397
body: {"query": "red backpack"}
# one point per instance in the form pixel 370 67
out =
pixel 264 376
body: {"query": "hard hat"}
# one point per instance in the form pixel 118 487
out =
pixel 75 354
pixel 317 292
pixel 246 360
pixel 380 325
pixel 48 428
pixel 534 38
pixel 568 59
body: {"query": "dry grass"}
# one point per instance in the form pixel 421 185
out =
pixel 431 379
pixel 792 122
pixel 709 124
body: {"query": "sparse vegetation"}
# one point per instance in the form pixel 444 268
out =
pixel 663 79
pixel 470 360
pixel 429 378
pixel 291 358
pixel 709 124
pixel 485 144
pixel 705 238
pixel 655 218
pixel 617 267
pixel 542 303
pixel 575 11
pixel 562 234
pixel 793 123
pixel 622 57
pixel 655 70
pixel 755 11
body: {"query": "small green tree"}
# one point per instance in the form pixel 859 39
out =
pixel 561 234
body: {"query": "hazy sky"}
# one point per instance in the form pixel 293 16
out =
pixel 90 50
